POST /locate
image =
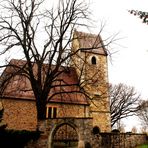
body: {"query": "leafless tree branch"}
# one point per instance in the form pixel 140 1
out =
pixel 123 102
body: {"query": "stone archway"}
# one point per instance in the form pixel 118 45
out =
pixel 65 136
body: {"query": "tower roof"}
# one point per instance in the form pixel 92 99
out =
pixel 90 43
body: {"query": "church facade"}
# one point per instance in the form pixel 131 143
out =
pixel 72 119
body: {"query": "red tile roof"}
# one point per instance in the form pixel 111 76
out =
pixel 20 87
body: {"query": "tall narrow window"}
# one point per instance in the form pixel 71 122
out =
pixel 54 112
pixel 93 61
pixel 51 112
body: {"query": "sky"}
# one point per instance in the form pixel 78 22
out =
pixel 129 63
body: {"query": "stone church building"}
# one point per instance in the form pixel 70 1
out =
pixel 72 119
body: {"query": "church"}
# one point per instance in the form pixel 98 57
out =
pixel 72 119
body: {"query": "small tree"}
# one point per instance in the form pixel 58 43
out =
pixel 134 129
pixel 123 102
pixel 143 112
pixel 143 129
pixel 122 128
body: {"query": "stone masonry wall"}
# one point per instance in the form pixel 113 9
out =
pixel 122 140
pixel 83 126
pixel 20 114
pixel 86 137
pixel 95 79
pixel 70 110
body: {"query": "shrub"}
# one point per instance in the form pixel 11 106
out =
pixel 17 139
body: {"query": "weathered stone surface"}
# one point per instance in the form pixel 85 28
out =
pixel 20 115
pixel 83 127
pixel 94 77
pixel 122 140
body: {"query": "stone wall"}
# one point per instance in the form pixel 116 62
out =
pixel 70 110
pixel 102 120
pixel 87 138
pixel 122 140
pixel 83 127
pixel 20 114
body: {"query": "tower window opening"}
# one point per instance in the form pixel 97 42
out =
pixel 93 60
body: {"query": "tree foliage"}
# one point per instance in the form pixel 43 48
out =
pixel 123 102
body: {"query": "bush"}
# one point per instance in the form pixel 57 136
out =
pixel 17 139
pixel 115 131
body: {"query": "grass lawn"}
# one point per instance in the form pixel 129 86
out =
pixel 143 146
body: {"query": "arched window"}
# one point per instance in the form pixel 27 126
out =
pixel 93 60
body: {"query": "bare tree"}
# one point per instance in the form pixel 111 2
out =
pixel 143 129
pixel 23 26
pixel 123 102
pixel 134 129
pixel 143 112
pixel 121 128
pixel 141 14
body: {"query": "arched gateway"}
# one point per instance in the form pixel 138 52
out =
pixel 65 136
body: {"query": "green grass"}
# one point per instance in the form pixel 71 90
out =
pixel 143 146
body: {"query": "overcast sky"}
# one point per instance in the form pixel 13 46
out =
pixel 130 63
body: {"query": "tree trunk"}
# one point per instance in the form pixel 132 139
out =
pixel 41 108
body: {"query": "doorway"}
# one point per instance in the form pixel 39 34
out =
pixel 65 136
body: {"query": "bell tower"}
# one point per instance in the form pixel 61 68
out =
pixel 90 62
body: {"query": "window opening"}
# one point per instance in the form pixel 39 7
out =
pixel 96 130
pixel 54 112
pixel 93 60
pixel 51 112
